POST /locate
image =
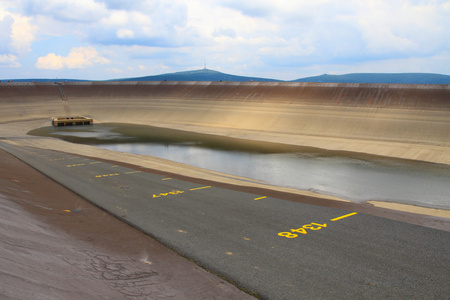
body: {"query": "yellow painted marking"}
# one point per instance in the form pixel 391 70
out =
pixel 95 162
pixel 67 210
pixel 57 159
pixel 229 253
pixel 166 178
pixel 106 175
pixel 133 172
pixel 166 194
pixel 311 226
pixel 199 188
pixel 288 235
pixel 114 166
pixel 344 216
pixel 302 230
pixel 75 165
pixel 260 198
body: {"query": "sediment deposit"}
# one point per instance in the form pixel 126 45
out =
pixel 405 121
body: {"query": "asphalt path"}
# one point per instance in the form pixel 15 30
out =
pixel 272 248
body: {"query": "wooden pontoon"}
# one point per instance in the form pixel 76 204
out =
pixel 70 121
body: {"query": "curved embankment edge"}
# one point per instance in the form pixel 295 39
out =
pixel 403 121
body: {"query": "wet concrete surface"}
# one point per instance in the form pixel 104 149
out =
pixel 56 245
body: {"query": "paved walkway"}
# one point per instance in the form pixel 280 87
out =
pixel 56 245
pixel 273 248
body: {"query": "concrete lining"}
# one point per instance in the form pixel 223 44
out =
pixel 392 120
pixel 396 120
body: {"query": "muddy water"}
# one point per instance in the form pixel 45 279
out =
pixel 350 176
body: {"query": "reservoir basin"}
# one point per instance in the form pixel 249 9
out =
pixel 352 176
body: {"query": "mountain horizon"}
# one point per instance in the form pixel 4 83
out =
pixel 212 75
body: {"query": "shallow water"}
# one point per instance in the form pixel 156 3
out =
pixel 350 176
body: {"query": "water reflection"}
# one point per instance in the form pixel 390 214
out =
pixel 355 177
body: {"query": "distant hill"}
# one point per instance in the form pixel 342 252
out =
pixel 45 80
pixel 211 75
pixel 196 75
pixel 407 78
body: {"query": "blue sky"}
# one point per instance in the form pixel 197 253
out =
pixel 283 39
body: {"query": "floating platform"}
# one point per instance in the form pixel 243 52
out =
pixel 71 121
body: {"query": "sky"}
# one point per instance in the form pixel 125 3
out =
pixel 282 39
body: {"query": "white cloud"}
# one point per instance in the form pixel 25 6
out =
pixel 125 33
pixel 17 33
pixel 116 18
pixel 348 30
pixel 114 70
pixel 251 36
pixel 416 64
pixel 51 61
pixel 84 11
pixel 9 60
pixel 5 33
pixel 23 34
pixel 154 23
pixel 403 27
pixel 78 58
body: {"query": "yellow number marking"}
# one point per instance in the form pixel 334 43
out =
pixel 166 194
pixel 178 192
pixel 310 226
pixel 288 235
pixel 300 230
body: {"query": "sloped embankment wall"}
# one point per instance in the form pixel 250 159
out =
pixel 416 114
